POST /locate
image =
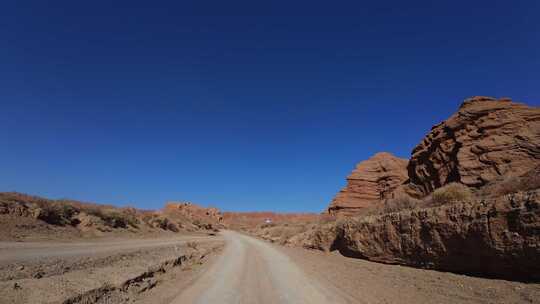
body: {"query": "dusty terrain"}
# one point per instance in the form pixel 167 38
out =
pixel 28 218
pixel 361 281
pixel 252 271
pixel 26 251
pixel 102 271
pixel 197 269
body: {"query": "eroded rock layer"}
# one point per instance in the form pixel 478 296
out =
pixel 371 181
pixel 497 238
pixel 487 138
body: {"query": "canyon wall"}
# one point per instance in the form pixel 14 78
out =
pixel 498 238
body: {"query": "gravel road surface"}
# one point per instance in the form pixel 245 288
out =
pixel 253 271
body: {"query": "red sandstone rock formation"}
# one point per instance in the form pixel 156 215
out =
pixel 497 237
pixel 371 181
pixel 486 142
pixel 485 139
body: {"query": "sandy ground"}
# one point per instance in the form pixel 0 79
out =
pixel 254 271
pixel 24 251
pixel 132 270
pixel 247 270
pixel 368 282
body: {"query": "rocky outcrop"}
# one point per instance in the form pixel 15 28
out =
pixel 371 181
pixel 207 218
pixel 497 238
pixel 488 144
pixel 23 216
pixel 194 211
pixel 17 208
pixel 485 139
pixel 321 237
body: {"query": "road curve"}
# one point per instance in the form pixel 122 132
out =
pixel 253 271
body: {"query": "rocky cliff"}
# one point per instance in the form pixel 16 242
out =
pixel 371 181
pixel 488 144
pixel 485 139
pixel 495 238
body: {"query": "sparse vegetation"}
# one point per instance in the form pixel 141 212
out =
pixel 114 218
pixel 513 184
pixel 282 233
pixel 158 221
pixel 451 193
pixel 398 203
pixel 58 213
pixel 193 245
pixel 102 218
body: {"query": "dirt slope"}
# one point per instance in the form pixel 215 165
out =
pixel 101 271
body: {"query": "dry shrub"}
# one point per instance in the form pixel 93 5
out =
pixel 267 225
pixel 451 193
pixel 399 202
pixel 513 184
pixel 202 224
pixel 114 218
pixel 57 213
pixel 158 221
pixel 193 245
pixel 282 233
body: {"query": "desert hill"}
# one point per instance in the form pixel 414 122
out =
pixel 27 217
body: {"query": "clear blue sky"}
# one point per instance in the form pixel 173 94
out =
pixel 241 105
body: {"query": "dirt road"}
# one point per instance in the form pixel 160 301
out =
pixel 246 270
pixel 252 271
pixel 22 251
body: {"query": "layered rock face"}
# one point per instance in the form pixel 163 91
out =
pixel 371 181
pixel 487 138
pixel 487 142
pixel 497 238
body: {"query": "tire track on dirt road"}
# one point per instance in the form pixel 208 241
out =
pixel 253 271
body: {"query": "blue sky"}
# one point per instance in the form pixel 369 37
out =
pixel 240 105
